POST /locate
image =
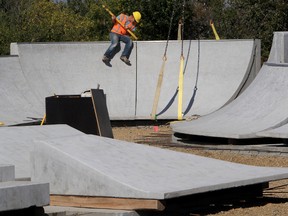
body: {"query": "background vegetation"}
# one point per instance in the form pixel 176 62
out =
pixel 86 20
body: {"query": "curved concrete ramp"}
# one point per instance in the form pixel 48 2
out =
pixel 279 132
pixel 225 68
pixel 18 102
pixel 16 144
pixel 218 69
pixel 263 105
pixel 72 68
pixel 88 165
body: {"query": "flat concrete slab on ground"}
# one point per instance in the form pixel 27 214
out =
pixel 16 144
pixel 262 106
pixel 69 211
pixel 113 168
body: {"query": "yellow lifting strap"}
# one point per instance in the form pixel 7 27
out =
pixel 180 88
pixel 130 32
pixel 214 30
pixel 43 120
pixel 158 89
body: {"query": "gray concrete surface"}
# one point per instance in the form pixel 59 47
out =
pixel 16 195
pixel 263 105
pixel 279 132
pixel 72 211
pixel 71 68
pixel 7 173
pixel 116 168
pixel 16 143
pixel 279 48
pixel 21 194
pixel 278 54
pixel 18 101
pixel 224 67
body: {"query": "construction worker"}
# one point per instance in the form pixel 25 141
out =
pixel 118 33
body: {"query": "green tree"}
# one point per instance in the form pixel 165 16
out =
pixel 5 34
pixel 46 21
pixel 10 22
pixel 101 21
pixel 86 20
pixel 244 19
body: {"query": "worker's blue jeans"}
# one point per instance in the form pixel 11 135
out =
pixel 115 45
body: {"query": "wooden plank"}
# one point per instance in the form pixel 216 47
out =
pixel 101 113
pixel 106 202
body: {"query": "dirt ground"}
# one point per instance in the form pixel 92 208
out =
pixel 275 199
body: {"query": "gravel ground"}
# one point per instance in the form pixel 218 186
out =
pixel 275 199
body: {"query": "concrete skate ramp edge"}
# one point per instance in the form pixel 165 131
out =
pixel 279 49
pixel 279 132
pixel 16 144
pixel 225 67
pixel 263 105
pixel 113 168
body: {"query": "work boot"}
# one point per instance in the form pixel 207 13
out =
pixel 125 60
pixel 106 61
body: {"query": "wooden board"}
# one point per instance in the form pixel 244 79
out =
pixel 106 202
pixel 101 113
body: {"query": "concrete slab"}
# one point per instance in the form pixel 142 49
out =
pixel 112 168
pixel 67 211
pixel 71 68
pixel 16 143
pixel 260 107
pixel 18 101
pixel 7 173
pixel 20 194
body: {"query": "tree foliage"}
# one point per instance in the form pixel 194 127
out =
pixel 46 21
pixel 86 20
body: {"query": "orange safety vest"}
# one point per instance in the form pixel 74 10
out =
pixel 118 29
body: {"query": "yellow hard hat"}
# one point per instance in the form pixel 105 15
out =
pixel 137 16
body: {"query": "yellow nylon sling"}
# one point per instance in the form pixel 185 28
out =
pixel 214 30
